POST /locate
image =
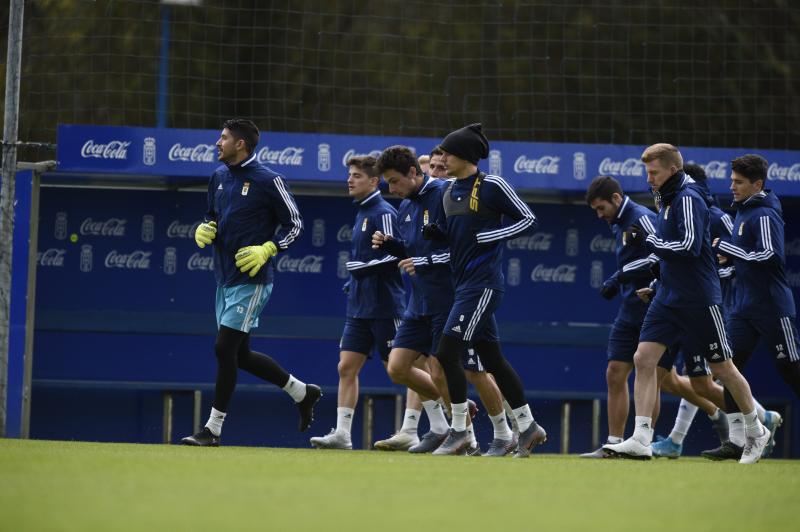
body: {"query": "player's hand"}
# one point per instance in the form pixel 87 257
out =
pixel 378 239
pixel 205 233
pixel 609 290
pixel 633 236
pixel 645 294
pixel 722 259
pixel 252 258
pixel 433 232
pixel 407 265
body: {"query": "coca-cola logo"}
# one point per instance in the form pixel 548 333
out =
pixel 178 230
pixel 793 247
pixel 110 227
pixel 534 242
pixel 563 273
pixel 344 234
pixel 115 149
pixel 793 278
pixel 716 169
pixel 628 167
pixel 784 173
pixel 53 257
pixel 199 153
pixel 306 264
pixel 288 156
pixel 135 260
pixel 547 164
pixel 349 154
pixel 601 244
pixel 200 262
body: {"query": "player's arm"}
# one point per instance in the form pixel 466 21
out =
pixel 389 244
pixel 358 268
pixel 206 232
pixel 689 219
pixel 501 197
pixel 769 242
pixel 252 258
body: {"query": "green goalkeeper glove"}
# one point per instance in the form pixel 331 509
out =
pixel 205 233
pixel 252 258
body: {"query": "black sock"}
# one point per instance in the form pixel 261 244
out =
pixel 506 376
pixel 449 356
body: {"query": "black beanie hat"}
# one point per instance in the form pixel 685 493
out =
pixel 468 143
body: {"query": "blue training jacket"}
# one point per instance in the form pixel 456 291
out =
pixel 682 241
pixel 632 310
pixel 757 250
pixel 482 211
pixel 375 288
pixel 432 283
pixel 251 205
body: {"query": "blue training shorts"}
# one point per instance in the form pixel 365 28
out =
pixel 238 306
pixel 694 365
pixel 780 334
pixel 472 316
pixel 423 333
pixel 365 336
pixel 700 329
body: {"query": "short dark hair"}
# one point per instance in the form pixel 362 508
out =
pixel 602 187
pixel 399 158
pixel 751 166
pixel 436 151
pixel 695 171
pixel 365 163
pixel 243 129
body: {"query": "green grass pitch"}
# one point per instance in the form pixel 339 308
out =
pixel 46 485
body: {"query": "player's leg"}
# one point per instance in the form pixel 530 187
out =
pixel 356 345
pixel 266 368
pixel 237 309
pixel 622 342
pixel 712 341
pixel 504 441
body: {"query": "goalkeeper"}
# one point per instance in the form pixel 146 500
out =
pixel 251 217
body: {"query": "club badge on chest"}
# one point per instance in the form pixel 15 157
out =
pixel 245 188
pixel 425 217
pixel 364 226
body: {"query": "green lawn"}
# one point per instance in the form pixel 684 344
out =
pixel 47 485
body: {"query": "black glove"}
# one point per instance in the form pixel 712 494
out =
pixel 433 232
pixel 633 236
pixel 655 269
pixel 609 290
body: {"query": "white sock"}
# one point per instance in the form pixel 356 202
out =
pixel 510 414
pixel 344 419
pixel 215 420
pixel 686 413
pixel 715 415
pixel 501 430
pixel 296 389
pixel 761 411
pixel 460 412
pixel 736 428
pixel 411 420
pixel 436 417
pixel 614 439
pixel 642 432
pixel 524 417
pixel 752 426
pixel 471 436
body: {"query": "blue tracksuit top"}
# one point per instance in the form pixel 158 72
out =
pixel 251 205
pixel 375 288
pixel 432 283
pixel 632 309
pixel 757 250
pixel 482 211
pixel 721 227
pixel 683 243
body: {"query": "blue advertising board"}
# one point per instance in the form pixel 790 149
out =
pixel 533 166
